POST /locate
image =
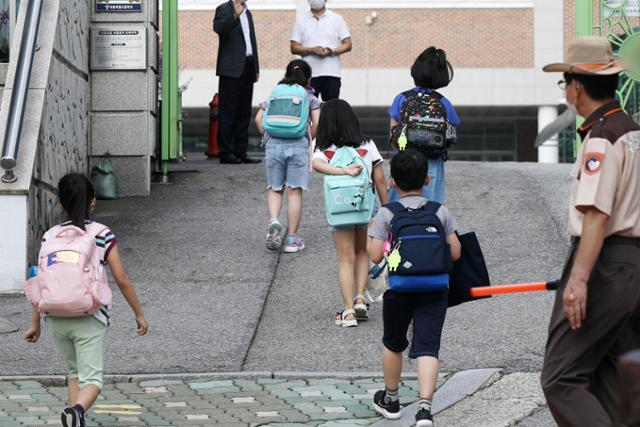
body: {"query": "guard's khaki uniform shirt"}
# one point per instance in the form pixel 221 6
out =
pixel 606 174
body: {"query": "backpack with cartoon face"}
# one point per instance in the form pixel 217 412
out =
pixel 423 124
pixel 348 199
pixel 287 112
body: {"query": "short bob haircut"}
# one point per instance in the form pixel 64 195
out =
pixel 409 169
pixel 599 88
pixel 431 69
pixel 339 126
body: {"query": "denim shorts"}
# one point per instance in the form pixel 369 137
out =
pixel 347 227
pixel 287 163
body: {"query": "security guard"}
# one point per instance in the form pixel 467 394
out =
pixel 596 315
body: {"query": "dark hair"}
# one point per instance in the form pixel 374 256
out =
pixel 431 69
pixel 409 169
pixel 338 125
pixel 599 88
pixel 297 72
pixel 76 193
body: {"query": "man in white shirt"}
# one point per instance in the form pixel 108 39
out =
pixel 320 37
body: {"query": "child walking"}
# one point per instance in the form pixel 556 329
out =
pixel 81 339
pixel 287 151
pixel 430 71
pixel 339 127
pixel 426 309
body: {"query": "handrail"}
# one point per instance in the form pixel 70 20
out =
pixel 20 90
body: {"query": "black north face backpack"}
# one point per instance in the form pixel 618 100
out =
pixel 423 124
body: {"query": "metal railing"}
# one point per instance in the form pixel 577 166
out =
pixel 20 90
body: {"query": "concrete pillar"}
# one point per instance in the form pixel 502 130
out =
pixel 13 242
pixel 124 104
pixel 547 152
pixel 302 6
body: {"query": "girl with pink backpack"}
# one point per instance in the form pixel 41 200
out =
pixel 72 292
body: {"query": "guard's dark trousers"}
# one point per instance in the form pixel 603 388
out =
pixel 234 114
pixel 579 376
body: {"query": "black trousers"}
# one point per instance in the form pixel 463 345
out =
pixel 579 376
pixel 234 113
pixel 327 86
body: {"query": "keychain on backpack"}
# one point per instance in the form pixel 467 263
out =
pixel 402 140
pixel 394 258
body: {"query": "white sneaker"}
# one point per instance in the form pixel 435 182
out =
pixel 273 240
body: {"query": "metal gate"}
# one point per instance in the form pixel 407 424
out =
pixel 619 21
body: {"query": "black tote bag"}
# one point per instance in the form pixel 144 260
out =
pixel 469 271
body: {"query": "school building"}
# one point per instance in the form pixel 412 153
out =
pixel 497 48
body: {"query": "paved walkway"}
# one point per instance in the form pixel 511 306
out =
pixel 274 401
pixel 218 301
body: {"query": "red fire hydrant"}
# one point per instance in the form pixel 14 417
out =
pixel 213 128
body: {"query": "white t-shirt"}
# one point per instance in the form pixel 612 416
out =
pixel 367 150
pixel 327 31
pixel 246 31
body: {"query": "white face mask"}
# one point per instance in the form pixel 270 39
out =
pixel 316 4
pixel 571 105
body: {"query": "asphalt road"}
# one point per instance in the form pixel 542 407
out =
pixel 218 301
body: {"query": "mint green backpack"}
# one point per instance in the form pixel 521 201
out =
pixel 348 199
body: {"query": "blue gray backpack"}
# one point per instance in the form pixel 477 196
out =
pixel 348 199
pixel 287 112
pixel 420 258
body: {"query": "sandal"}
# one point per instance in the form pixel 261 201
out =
pixel 362 309
pixel 345 323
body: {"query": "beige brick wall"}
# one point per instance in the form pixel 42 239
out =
pixel 478 38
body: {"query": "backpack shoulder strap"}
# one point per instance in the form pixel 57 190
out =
pixel 409 93
pixel 436 95
pixel 395 207
pixel 431 207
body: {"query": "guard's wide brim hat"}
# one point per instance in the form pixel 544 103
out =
pixel 591 56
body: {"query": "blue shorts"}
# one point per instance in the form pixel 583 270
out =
pixel 427 310
pixel 346 227
pixel 287 163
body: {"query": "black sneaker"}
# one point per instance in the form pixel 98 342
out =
pixel 390 411
pixel 71 418
pixel 424 418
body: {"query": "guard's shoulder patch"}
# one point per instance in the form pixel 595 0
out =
pixel 593 162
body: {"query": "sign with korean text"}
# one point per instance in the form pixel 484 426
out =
pixel 118 5
pixel 118 48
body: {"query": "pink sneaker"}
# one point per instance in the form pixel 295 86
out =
pixel 294 244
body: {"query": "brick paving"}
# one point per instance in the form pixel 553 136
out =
pixel 242 402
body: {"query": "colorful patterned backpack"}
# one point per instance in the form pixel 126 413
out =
pixel 423 124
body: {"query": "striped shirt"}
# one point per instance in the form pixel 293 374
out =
pixel 105 242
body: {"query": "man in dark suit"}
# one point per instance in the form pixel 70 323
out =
pixel 238 70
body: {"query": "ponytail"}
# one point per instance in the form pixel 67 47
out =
pixel 297 72
pixel 76 193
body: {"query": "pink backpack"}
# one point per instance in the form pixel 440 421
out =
pixel 71 280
